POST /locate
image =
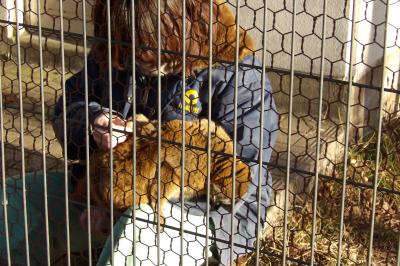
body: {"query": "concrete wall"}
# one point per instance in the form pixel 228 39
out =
pixel 308 34
pixel 369 61
pixel 7 35
pixel 7 13
pixel 73 15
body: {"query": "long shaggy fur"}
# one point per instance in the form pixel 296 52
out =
pixel 171 150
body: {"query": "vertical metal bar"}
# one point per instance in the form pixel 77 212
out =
pixel 261 140
pixel 378 144
pixel 285 222
pixel 87 134
pixel 64 99
pixel 317 157
pixel 3 173
pixel 134 129
pixel 110 125
pixel 398 252
pixel 183 124
pixel 22 143
pixel 158 127
pixel 235 128
pixel 210 51
pixel 346 137
pixel 43 133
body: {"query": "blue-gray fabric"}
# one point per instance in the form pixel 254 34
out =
pixel 36 221
pixel 223 87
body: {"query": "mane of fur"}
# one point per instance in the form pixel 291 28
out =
pixel 225 43
pixel 146 165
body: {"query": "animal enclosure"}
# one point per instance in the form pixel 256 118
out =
pixel 334 191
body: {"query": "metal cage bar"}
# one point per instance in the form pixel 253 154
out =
pixel 286 203
pixel 235 103
pixel 183 102
pixel 261 139
pixel 134 131
pixel 3 174
pixel 158 128
pixel 64 100
pixel 346 137
pixel 379 137
pixel 317 159
pixel 43 133
pixel 22 143
pixel 210 61
pixel 110 126
pixel 87 133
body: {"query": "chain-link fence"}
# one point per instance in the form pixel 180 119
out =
pixel 325 171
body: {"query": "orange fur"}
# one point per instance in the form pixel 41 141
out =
pixel 224 43
pixel 146 167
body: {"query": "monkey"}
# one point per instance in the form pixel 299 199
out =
pixel 195 172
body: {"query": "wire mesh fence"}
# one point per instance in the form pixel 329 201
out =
pixel 324 171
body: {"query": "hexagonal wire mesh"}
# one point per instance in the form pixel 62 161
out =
pixel 333 118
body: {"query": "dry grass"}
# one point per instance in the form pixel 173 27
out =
pixel 357 211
